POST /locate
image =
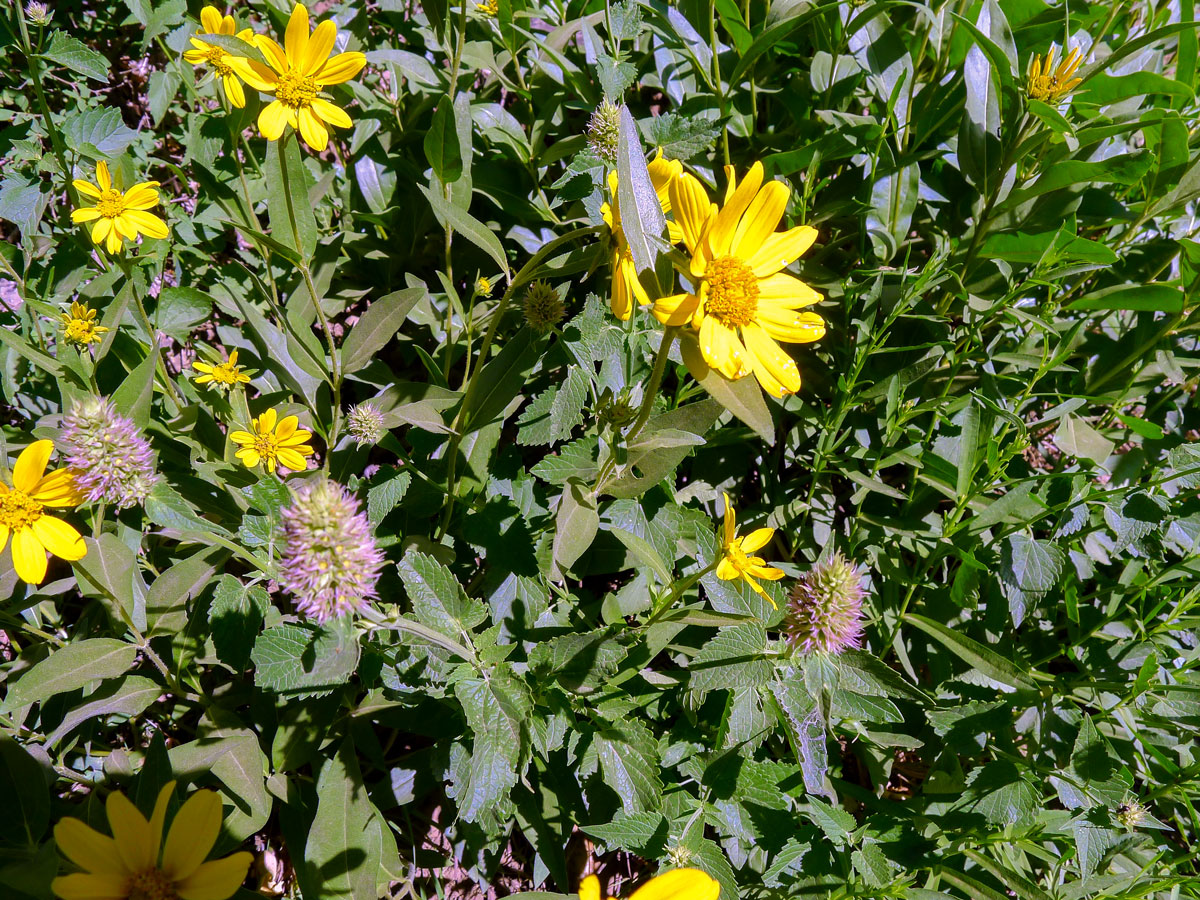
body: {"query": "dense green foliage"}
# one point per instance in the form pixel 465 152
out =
pixel 998 427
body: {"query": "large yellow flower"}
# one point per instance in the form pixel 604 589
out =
pixel 296 75
pixel 677 884
pixel 742 301
pixel 23 512
pixel 223 375
pixel 127 866
pixel 283 444
pixel 735 559
pixel 626 287
pixel 118 216
pixel 225 65
pixel 1050 83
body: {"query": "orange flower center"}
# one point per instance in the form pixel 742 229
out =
pixel 215 57
pixel 150 884
pixel 296 90
pixel 266 445
pixel 111 204
pixel 18 510
pixel 732 292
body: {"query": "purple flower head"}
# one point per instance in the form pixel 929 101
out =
pixel 109 458
pixel 330 560
pixel 824 613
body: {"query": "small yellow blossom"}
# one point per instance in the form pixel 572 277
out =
pixel 736 563
pixel 488 8
pixel 274 444
pixel 677 884
pixel 22 512
pixel 223 63
pixel 222 375
pixel 127 866
pixel 1050 83
pixel 297 73
pixel 118 216
pixel 483 286
pixel 625 285
pixel 79 326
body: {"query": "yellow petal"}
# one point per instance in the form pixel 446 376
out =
pixel 159 816
pixel 147 223
pixel 771 357
pixel 210 19
pixel 727 571
pixel 315 134
pixel 295 39
pixel 296 438
pixel 249 457
pixel 131 831
pixel 192 835
pixel 692 209
pixel 233 89
pixel 784 291
pixel 85 214
pixel 676 309
pixel 31 465
pixel 88 848
pixel 59 538
pixel 720 236
pixel 81 886
pixel 202 367
pixel 320 43
pixel 341 68
pixel 778 250
pixel 789 325
pixel 103 179
pixel 254 73
pixel 28 556
pixel 288 456
pixel 216 880
pixel 272 119
pixel 721 349
pixel 241 437
pixel 114 242
pixel 86 187
pixel 679 884
pixel 3 535
pixel 761 219
pixel 266 422
pixel 757 539
pixel 589 888
pixel 273 54
pixel 332 114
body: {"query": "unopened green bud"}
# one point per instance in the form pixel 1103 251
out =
pixel 543 308
pixel 604 131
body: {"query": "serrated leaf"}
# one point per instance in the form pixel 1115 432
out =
pixel 385 496
pixel 681 137
pixel 835 822
pixel 235 616
pixel 438 601
pixel 99 133
pixel 69 669
pixel 643 833
pixel 303 661
pixel 76 56
pixel 735 657
pixel 566 409
pixel 496 706
pixel 629 764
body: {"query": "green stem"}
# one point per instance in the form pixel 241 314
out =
pixel 35 77
pixel 160 364
pixel 656 376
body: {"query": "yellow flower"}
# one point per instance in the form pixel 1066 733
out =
pixel 742 301
pixel 488 8
pixel 626 287
pixel 79 325
pixel 483 286
pixel 224 375
pixel 1050 83
pixel 118 216
pixel 22 511
pixel 296 75
pixel 677 884
pixel 126 866
pixel 736 563
pixel 283 444
pixel 217 58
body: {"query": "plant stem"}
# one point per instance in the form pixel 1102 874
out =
pixel 160 364
pixel 656 375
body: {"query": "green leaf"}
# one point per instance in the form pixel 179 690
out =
pixel 660 447
pixel 27 795
pixel 168 597
pixel 1076 437
pixel 629 764
pixel 69 669
pixel 643 833
pixel 304 661
pixel 441 144
pixel 574 460
pixel 110 570
pixel 580 662
pixel 22 202
pixel 376 326
pixel 1002 794
pixel 743 397
pixel 235 617
pixel 975 654
pixel 566 409
pixel 130 696
pixel 496 706
pixel 293 223
pixel 233 756
pixel 76 56
pixel 344 853
pixel 1137 297
pixel 502 378
pixel 468 226
pixel 736 657
pixel 642 218
pixel 386 495
pixel 181 309
pixel 98 133
pixel 438 601
pixel 834 821
pixel 681 137
pixel 575 523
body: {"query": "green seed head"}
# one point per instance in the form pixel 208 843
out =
pixel 543 308
pixel 604 131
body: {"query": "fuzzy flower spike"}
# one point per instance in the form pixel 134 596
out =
pixel 109 458
pixel 677 884
pixel 736 561
pixel 297 73
pixel 330 561
pixel 824 612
